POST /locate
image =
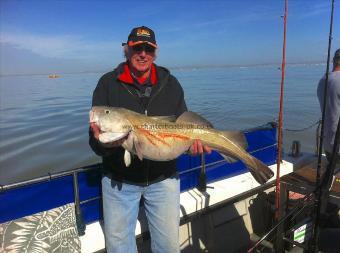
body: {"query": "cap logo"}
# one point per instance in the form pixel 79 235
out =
pixel 143 32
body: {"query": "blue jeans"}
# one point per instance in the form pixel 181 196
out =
pixel 120 208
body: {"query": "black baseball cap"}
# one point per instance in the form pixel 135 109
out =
pixel 139 35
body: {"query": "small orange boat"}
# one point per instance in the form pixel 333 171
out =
pixel 53 76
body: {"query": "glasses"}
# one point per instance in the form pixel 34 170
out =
pixel 144 47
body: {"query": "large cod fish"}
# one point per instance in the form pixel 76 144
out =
pixel 159 139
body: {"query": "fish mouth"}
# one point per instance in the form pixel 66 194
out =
pixel 93 118
pixel 107 137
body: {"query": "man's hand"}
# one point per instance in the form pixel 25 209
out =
pixel 197 148
pixel 96 131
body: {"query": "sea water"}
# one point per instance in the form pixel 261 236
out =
pixel 44 121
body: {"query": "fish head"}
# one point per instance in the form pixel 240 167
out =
pixel 111 121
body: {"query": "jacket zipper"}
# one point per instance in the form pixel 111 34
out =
pixel 147 161
pixel 152 98
pixel 157 92
pixel 146 114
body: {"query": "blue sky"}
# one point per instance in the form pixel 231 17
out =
pixel 43 36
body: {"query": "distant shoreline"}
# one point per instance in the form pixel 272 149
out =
pixel 174 68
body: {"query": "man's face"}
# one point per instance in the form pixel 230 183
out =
pixel 141 57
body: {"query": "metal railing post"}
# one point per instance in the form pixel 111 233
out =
pixel 78 215
pixel 202 184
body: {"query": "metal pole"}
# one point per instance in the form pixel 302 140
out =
pixel 202 184
pixel 48 177
pixel 79 217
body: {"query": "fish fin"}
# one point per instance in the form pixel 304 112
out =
pixel 236 137
pixel 194 118
pixel 127 158
pixel 171 118
pixel 138 149
pixel 228 158
pixel 260 171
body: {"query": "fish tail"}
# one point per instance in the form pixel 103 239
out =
pixel 234 144
pixel 259 170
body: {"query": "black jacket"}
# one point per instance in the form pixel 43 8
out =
pixel 167 99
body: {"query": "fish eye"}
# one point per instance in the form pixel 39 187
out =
pixel 107 111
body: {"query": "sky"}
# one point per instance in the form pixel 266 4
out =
pixel 58 36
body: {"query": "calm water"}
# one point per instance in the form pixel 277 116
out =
pixel 44 122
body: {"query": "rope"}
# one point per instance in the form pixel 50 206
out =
pixel 302 129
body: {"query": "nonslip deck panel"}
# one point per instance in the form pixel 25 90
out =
pixel 29 199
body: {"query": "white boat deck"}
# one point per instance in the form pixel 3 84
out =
pixel 191 201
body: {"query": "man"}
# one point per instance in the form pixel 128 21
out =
pixel 332 104
pixel 141 86
pixel 329 211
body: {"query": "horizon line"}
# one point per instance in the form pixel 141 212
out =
pixel 171 67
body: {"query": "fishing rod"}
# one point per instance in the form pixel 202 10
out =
pixel 318 190
pixel 298 209
pixel 325 96
pixel 323 189
pixel 279 144
pixel 325 184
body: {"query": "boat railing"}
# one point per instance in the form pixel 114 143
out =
pixel 72 186
pixel 75 171
pixel 48 177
